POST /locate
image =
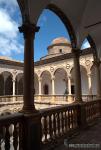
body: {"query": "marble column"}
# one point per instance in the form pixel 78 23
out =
pixel 98 80
pixel 69 85
pixel 89 84
pixel 53 89
pixel 40 86
pixel 13 86
pixel 28 31
pixel 77 75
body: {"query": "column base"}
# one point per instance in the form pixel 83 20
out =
pixel 32 131
pixel 29 109
pixel 70 98
pixel 53 100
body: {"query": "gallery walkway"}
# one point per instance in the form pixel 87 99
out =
pixel 87 139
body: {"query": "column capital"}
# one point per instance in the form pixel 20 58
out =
pixel 28 29
pixel 13 80
pixel 40 79
pixel 53 78
pixel 89 74
pixel 69 76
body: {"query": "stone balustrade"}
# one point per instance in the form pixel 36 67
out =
pixel 56 123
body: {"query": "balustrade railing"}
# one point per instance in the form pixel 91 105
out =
pixel 11 132
pixel 93 110
pixel 47 98
pixel 11 98
pixel 57 122
pixel 88 98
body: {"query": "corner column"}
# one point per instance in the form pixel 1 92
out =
pixel 98 80
pixel 77 76
pixel 32 118
pixel 28 31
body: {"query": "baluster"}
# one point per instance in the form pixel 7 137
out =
pixel 21 142
pixel 50 127
pixel 72 118
pixel 54 124
pixel 15 136
pixel 68 119
pixel 65 122
pixel 0 136
pixel 45 128
pixel 75 118
pixel 58 123
pixel 7 138
pixel 62 119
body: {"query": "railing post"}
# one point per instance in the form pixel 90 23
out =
pixel 32 122
pixel 81 116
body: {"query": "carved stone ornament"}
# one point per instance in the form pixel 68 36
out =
pixel 67 66
pixel 51 69
pixel 87 62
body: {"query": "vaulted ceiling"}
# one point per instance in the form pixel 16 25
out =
pixel 84 17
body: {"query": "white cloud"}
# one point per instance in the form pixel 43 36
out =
pixel 9 43
pixel 8 27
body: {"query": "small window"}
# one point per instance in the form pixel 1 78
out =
pixel 60 50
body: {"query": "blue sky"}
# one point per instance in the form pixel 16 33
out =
pixel 11 41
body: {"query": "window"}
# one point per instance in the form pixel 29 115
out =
pixel 60 50
pixel 72 89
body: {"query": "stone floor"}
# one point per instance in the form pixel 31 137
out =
pixel 88 139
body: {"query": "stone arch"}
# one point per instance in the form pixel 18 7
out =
pixel 19 84
pixel 61 79
pixel 7 83
pixel 65 21
pixel 1 85
pixel 60 67
pixel 46 80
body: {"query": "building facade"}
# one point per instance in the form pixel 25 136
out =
pixel 53 74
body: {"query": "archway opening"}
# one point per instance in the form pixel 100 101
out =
pixel 53 24
pixel 19 84
pixel 46 83
pixel 7 83
pixel 61 82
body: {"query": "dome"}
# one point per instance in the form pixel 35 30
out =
pixel 60 40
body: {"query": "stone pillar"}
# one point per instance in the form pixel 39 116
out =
pixel 14 98
pixel 40 86
pixel 53 89
pixel 89 83
pixel 53 85
pixel 29 33
pixel 77 76
pixel 69 85
pixel 13 86
pixel 32 118
pixel 98 80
